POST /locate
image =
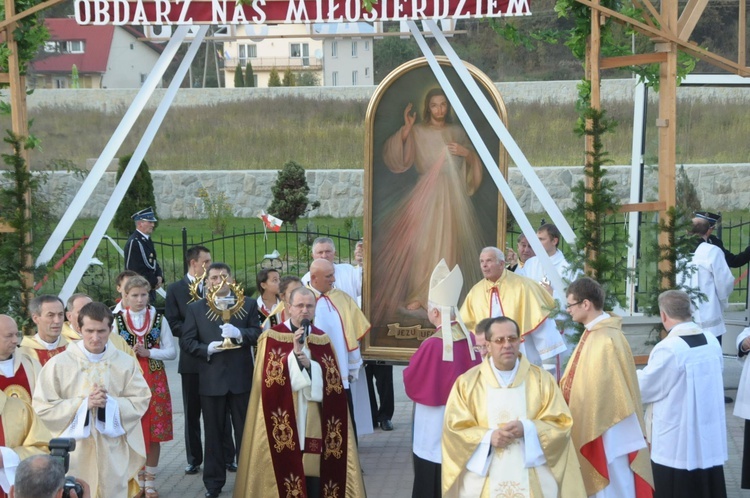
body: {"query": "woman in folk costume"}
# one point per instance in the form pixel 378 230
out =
pixel 280 313
pixel 742 404
pixel 148 333
pixel 267 283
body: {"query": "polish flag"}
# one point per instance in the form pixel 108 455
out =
pixel 271 222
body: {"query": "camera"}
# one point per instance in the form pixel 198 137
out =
pixel 60 448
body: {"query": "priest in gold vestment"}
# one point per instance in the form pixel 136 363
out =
pixel 507 428
pixel 23 435
pixel 608 433
pixel 503 293
pixel 298 438
pixel 97 394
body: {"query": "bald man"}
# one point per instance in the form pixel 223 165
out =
pixel 338 315
pixel 18 372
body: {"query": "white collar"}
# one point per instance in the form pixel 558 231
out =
pixel 146 236
pixel 6 367
pixel 48 345
pixel 505 378
pixel 92 357
pixel 596 320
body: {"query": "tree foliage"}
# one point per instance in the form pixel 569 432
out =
pixel 290 201
pixel 14 247
pixel 289 78
pixel 249 75
pixel 599 240
pixel 239 80
pixel 308 79
pixel 273 77
pixel 140 195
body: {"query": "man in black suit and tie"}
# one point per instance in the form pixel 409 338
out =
pixel 224 375
pixel 140 253
pixel 178 296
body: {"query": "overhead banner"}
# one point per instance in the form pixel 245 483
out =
pixel 177 12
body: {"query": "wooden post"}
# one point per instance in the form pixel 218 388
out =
pixel 19 125
pixel 667 123
pixel 593 56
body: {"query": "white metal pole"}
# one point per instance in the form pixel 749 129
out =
pixel 118 137
pixel 486 156
pixel 127 177
pixel 636 161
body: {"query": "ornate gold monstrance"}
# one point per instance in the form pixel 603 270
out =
pixel 225 307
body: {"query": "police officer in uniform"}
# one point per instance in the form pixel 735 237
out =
pixel 140 254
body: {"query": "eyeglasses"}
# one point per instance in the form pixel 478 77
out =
pixel 570 305
pixel 502 340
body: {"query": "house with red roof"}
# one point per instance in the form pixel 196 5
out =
pixel 104 56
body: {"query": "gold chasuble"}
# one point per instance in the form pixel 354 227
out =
pixel 31 347
pixel 353 321
pixel 520 298
pixel 22 431
pixel 467 422
pixel 599 401
pixel 109 451
pixel 274 461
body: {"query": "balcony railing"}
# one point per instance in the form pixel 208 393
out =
pixel 280 63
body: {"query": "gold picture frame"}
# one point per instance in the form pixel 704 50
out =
pixel 423 184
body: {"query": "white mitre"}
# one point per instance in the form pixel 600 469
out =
pixel 445 290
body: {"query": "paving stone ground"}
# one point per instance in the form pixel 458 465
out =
pixel 386 456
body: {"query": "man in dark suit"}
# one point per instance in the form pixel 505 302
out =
pixel 224 375
pixel 140 253
pixel 178 296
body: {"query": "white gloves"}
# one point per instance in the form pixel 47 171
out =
pixel 353 374
pixel 230 331
pixel 214 347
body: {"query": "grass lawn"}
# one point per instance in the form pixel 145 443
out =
pixel 327 134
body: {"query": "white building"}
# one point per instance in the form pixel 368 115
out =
pixel 332 54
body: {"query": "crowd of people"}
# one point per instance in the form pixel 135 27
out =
pixel 506 403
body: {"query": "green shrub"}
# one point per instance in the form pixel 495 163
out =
pixel 290 200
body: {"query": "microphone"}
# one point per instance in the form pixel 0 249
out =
pixel 305 325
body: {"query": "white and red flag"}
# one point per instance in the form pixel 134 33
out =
pixel 270 222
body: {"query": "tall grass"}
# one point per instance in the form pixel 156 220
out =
pixel 327 134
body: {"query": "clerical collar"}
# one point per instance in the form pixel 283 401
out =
pixel 6 367
pixel 146 236
pixel 505 377
pixel 685 328
pixel 596 320
pixel 48 345
pixel 92 357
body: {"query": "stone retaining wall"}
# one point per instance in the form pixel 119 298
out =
pixel 340 192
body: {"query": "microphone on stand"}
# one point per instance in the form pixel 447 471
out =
pixel 306 326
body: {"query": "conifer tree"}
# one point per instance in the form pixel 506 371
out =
pixel 249 75
pixel 290 200
pixel 273 78
pixel 289 79
pixel 140 195
pixel 239 81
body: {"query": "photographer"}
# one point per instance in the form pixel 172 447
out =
pixel 43 476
